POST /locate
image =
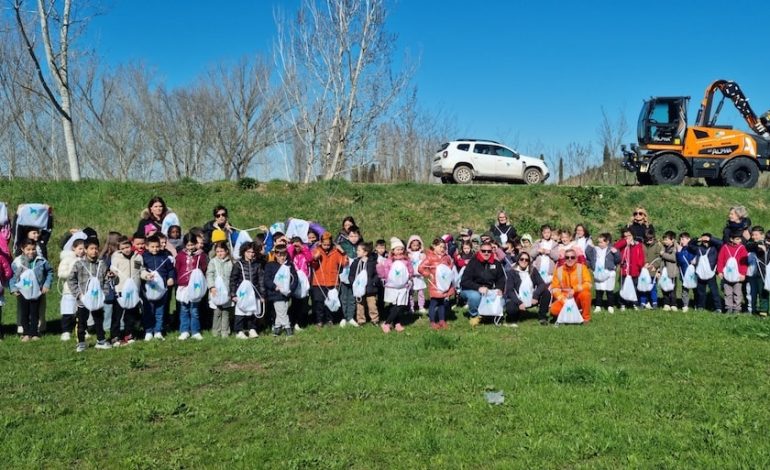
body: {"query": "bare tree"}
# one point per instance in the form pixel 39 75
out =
pixel 51 14
pixel 335 67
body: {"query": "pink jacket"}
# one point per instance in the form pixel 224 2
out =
pixel 428 269
pixel 6 271
pixel 301 258
pixel 384 268
pixel 186 263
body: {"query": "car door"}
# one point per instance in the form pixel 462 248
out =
pixel 483 160
pixel 508 164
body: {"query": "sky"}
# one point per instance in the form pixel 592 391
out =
pixel 534 75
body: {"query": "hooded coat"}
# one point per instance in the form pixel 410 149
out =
pixel 428 270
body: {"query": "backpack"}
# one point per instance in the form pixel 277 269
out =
pixel 689 278
pixel 303 286
pixel 703 268
pixel 731 273
pixel 444 277
pixel 282 280
pixel 627 290
pixel 360 281
pixel 129 298
pixel 93 295
pixel 644 283
pixel 526 289
pixel 398 276
pixel 27 284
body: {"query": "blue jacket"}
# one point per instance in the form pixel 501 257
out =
pixel 684 258
pixel 161 263
pixel 271 269
pixel 40 266
pixel 712 250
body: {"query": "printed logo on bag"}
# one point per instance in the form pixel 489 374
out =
pixel 95 293
pixel 241 294
pixel 26 283
pixel 525 293
pixel 34 211
pixel 569 308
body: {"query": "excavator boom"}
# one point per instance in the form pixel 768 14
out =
pixel 732 91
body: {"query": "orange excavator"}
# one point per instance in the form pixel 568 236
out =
pixel 668 150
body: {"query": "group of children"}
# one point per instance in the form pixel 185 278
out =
pixel 348 281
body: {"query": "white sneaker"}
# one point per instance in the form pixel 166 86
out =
pixel 343 322
pixel 685 308
pixel 648 306
pixel 674 308
pixel 611 309
pixel 81 347
pixel 597 309
pixel 666 308
pixel 622 308
pixel 241 335
pixel 253 334
pixel 159 336
pixel 148 337
pixel 19 330
pixel 353 322
pixel 197 337
pixel 103 345
pixel 184 336
pixel 297 328
pixel 66 336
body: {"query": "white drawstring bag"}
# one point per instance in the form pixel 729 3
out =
pixel 627 290
pixel 243 237
pixel 418 282
pixel 155 288
pixel 569 314
pixel 129 298
pixel 93 296
pixel 767 277
pixel 32 215
pixel 398 276
pixel 689 278
pixel 222 296
pixel 360 282
pixel 526 289
pixel 28 286
pixel 345 274
pixel 3 213
pixel 196 285
pixel 332 300
pixel 298 228
pixel 303 285
pixel 731 273
pixel 282 280
pixel 644 283
pixel 458 277
pixel 703 269
pixel 665 281
pixel 545 266
pixel 444 277
pixel 170 219
pixel 491 305
pixel 751 270
pixel 247 297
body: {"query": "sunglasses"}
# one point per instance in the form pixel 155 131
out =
pixel 570 257
pixel 486 251
pixel 638 213
pixel 222 214
pixel 524 259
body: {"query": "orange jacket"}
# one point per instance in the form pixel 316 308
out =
pixel 577 278
pixel 326 269
pixel 428 269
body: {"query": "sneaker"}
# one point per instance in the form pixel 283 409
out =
pixel 103 345
pixel 422 311
pixel 611 309
pixel 25 339
pixel 385 328
pixel 80 347
pixel 289 331
pixel 343 322
pixel 597 309
pixel 241 335
pixel 19 330
pixel 184 336
pixel 352 322
pixel 277 331
pixel 674 308
pixel 34 338
pixel 253 334
pixel 511 325
pixel 648 306
pixel 399 328
pixel 762 314
pixel 434 326
pixel 636 307
pixel 666 308
pixel 197 337
pixel 159 336
pixel 148 337
pixel 128 339
pixel 297 328
pixel 685 308
pixel 543 322
pixel 622 308
pixel 474 321
pixel 66 336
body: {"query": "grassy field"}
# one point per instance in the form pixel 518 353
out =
pixel 636 389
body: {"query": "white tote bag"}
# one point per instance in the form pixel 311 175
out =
pixel 526 289
pixel 627 290
pixel 665 281
pixel 303 285
pixel 689 278
pixel 491 305
pixel 731 273
pixel 644 283
pixel 444 277
pixel 703 269
pixel 28 286
pixel 129 298
pixel 359 283
pixel 332 300
pixel 398 276
pixel 569 314
pixel 282 280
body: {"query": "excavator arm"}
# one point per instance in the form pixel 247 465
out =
pixel 732 91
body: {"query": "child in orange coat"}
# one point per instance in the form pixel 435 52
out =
pixel 440 290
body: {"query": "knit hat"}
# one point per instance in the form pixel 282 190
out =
pixel 527 237
pixel 466 232
pixel 396 242
pixel 218 235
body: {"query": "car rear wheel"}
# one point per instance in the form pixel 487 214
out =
pixel 740 173
pixel 462 175
pixel 533 176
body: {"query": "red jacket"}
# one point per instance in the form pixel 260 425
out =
pixel 739 252
pixel 631 258
pixel 428 270
pixel 185 263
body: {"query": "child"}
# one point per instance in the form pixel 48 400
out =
pixel 438 298
pixel 248 268
pixel 349 245
pixel 175 237
pixel 366 261
pixel 155 260
pixel 381 252
pixel 220 267
pixel 669 263
pixel 6 273
pixel 126 266
pixel 544 254
pixel 68 305
pixel 280 300
pixel 328 261
pixel 166 247
pixel 707 247
pixel 567 243
pixel 732 282
pixel 603 261
pixel 755 291
pixel 138 243
pixel 652 262
pixel 526 243
pixel 29 306
pixel 188 260
pixel 300 256
pixel 684 258
pixel 86 268
pixel 416 256
pixel 582 237
pixel 396 292
pixel 631 261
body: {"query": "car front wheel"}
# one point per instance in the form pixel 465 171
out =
pixel 462 175
pixel 533 176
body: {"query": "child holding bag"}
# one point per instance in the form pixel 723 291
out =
pixel 190 264
pixel 32 279
pixel 436 268
pixel 218 274
pixel 395 272
pixel 280 281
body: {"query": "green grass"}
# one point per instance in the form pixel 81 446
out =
pixel 636 389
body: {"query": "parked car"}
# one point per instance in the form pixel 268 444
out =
pixel 464 160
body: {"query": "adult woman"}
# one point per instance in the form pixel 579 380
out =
pixel 640 223
pixel 737 221
pixel 521 294
pixel 220 222
pixel 347 223
pixel 152 217
pixel 502 231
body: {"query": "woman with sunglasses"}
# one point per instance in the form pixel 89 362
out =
pixel 640 223
pixel 220 222
pixel 502 231
pixel 482 274
pixel 525 288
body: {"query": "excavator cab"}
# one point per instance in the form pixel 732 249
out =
pixel 663 121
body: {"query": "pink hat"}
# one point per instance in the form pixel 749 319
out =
pixel 149 229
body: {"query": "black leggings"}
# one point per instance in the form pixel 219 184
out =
pixel 130 320
pixel 395 313
pixel 601 301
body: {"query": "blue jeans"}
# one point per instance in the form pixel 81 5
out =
pixel 473 297
pixel 651 296
pixel 189 321
pixel 153 315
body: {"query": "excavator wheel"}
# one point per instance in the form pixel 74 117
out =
pixel 644 179
pixel 668 169
pixel 740 173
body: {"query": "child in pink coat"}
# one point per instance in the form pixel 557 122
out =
pixel 414 248
pixel 397 284
pixel 301 257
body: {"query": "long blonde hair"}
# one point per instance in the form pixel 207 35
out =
pixel 645 216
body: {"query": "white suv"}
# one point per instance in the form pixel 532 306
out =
pixel 464 160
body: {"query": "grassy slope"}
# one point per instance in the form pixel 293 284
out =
pixel 649 389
